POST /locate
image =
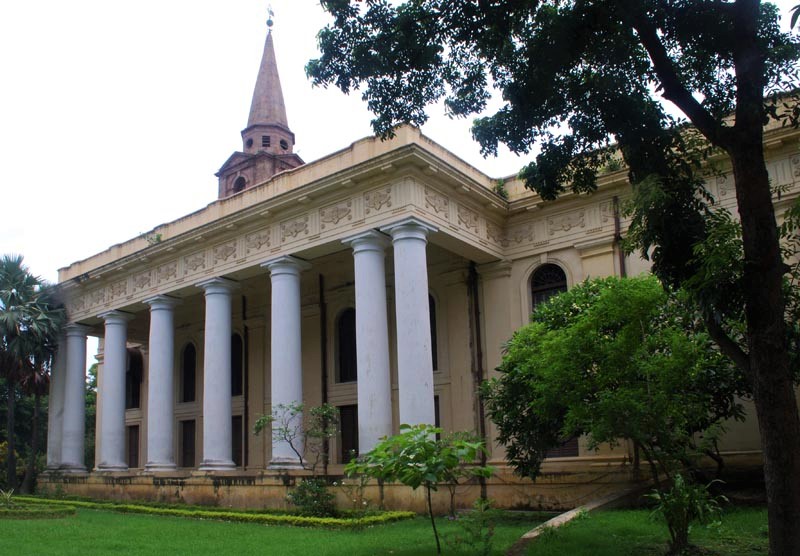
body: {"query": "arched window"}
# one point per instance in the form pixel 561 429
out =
pixel 547 281
pixel 188 373
pixel 239 184
pixel 237 365
pixel 434 347
pixel 347 366
pixel 133 379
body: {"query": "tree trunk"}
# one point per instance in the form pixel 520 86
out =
pixel 11 460
pixel 768 357
pixel 30 471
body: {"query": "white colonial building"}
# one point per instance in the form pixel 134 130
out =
pixel 383 279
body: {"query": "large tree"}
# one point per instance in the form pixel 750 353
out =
pixel 579 79
pixel 30 320
pixel 613 359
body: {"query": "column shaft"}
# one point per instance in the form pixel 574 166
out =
pixel 217 428
pixel 112 423
pixel 414 355
pixel 372 339
pixel 55 405
pixel 285 350
pixel 72 436
pixel 160 391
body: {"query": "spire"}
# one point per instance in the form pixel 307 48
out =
pixel 267 140
pixel 267 107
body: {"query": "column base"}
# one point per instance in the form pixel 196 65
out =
pixel 111 468
pixel 285 463
pixel 159 467
pixel 211 465
pixel 72 468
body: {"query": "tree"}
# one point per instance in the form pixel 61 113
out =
pixel 416 458
pixel 615 359
pixel 582 79
pixel 30 320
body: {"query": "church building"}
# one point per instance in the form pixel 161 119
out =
pixel 383 278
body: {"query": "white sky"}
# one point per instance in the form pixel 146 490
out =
pixel 114 116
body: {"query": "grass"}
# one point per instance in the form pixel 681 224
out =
pixel 103 532
pixel 633 532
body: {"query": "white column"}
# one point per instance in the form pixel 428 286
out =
pixel 285 349
pixel 414 356
pixel 372 339
pixel 217 428
pixel 160 455
pixel 72 435
pixel 55 404
pixel 112 421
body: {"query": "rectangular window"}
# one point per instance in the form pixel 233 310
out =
pixel 265 141
pixel 132 441
pixel 348 424
pixel 187 431
pixel 568 449
pixel 237 440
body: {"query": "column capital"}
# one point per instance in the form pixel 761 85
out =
pixel 371 240
pixel 286 265
pixel 74 329
pixel 409 228
pixel 218 285
pixel 162 302
pixel 115 317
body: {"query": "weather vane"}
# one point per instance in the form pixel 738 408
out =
pixel 270 15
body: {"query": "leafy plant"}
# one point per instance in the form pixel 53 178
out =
pixel 7 498
pixel 306 435
pixel 476 529
pixel 500 188
pixel 683 504
pixel 417 459
pixel 312 498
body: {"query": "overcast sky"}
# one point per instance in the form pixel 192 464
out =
pixel 114 116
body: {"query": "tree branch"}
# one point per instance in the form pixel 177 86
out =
pixel 728 346
pixel 673 88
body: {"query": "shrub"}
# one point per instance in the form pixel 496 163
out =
pixel 312 498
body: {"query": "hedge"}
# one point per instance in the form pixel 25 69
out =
pixel 37 511
pixel 224 515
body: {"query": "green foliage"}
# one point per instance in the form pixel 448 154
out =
pixel 306 433
pixel 500 188
pixel 7 498
pixel 682 505
pixel 312 498
pixel 416 458
pixel 612 359
pixel 476 529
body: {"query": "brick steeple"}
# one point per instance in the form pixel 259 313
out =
pixel 267 140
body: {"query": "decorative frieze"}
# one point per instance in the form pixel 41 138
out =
pixel 224 252
pixel 521 234
pixel 97 297
pixel 795 160
pixel 334 214
pixel 496 234
pixel 167 272
pixel 293 228
pixel 142 281
pixel 467 218
pixel 257 240
pixel 194 262
pixel 566 222
pixel 376 199
pixel 439 203
pixel 119 289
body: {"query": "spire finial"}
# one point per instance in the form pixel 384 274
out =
pixel 270 15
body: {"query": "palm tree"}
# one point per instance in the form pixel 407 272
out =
pixel 30 320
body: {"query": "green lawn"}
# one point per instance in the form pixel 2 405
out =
pixel 634 532
pixel 101 532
